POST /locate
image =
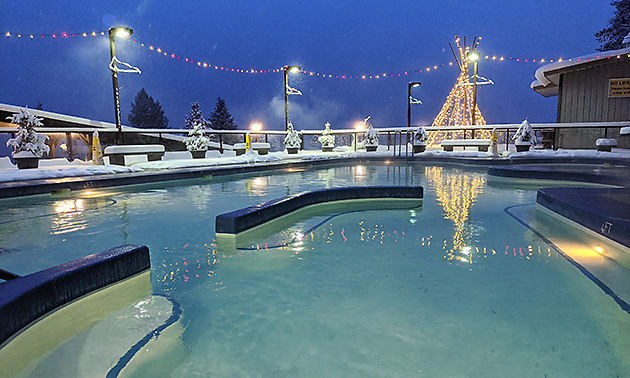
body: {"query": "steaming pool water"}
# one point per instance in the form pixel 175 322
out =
pixel 460 286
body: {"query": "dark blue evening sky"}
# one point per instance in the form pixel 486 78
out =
pixel 71 75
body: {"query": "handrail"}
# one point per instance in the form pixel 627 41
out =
pixel 506 126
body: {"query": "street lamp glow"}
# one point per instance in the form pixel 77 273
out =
pixel 474 56
pixel 256 127
pixel 293 69
pixel 359 126
pixel 123 33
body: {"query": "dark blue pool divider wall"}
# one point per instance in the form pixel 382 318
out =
pixel 593 208
pixel 250 217
pixel 25 299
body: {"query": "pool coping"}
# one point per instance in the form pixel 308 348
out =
pixel 25 299
pixel 12 189
pixel 244 219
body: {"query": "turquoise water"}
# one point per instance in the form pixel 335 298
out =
pixel 454 288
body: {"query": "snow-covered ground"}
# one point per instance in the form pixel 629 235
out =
pixel 59 168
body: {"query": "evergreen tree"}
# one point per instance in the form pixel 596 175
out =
pixel 221 119
pixel 611 37
pixel 147 113
pixel 195 117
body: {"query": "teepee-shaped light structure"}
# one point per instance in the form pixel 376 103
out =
pixel 458 108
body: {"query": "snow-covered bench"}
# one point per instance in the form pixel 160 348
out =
pixel 131 154
pixel 481 144
pixel 605 144
pixel 261 148
pixel 240 148
pixel 624 137
pixel 177 155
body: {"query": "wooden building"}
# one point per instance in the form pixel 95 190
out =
pixel 592 88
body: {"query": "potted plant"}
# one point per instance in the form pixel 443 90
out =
pixel 371 139
pixel 28 146
pixel 420 138
pixel 197 143
pixel 292 141
pixel 327 139
pixel 525 137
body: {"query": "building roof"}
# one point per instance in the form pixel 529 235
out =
pixel 548 76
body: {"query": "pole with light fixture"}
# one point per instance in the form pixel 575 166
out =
pixel 121 32
pixel 474 58
pixel 411 100
pixel 289 91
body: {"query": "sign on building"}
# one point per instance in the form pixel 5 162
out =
pixel 619 88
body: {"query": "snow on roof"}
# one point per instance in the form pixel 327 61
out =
pixel 548 76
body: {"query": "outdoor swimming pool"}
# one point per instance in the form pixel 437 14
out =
pixel 458 287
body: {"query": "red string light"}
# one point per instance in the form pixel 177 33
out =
pixel 202 64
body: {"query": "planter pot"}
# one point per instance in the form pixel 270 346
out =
pixel 292 150
pixel 327 149
pixel 198 154
pixel 522 147
pixel 419 148
pixel 26 162
pixel 371 148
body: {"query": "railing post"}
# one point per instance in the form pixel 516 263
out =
pixel 389 139
pixel 507 139
pixel 221 143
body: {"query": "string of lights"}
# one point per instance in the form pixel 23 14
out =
pixel 204 64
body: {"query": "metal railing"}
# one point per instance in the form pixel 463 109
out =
pixel 402 136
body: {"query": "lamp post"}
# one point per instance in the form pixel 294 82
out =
pixel 288 91
pixel 122 32
pixel 474 58
pixel 411 100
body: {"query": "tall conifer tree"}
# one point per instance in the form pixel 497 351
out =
pixel 147 113
pixel 619 26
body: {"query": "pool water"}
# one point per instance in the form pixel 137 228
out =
pixel 454 288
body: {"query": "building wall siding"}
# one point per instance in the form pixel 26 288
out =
pixel 583 97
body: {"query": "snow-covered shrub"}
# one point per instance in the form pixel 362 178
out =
pixel 196 140
pixel 292 140
pixel 525 134
pixel 371 137
pixel 27 142
pixel 327 139
pixel 420 137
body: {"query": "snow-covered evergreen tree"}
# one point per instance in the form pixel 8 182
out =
pixel 195 117
pixel 196 141
pixel 619 26
pixel 27 141
pixel 147 113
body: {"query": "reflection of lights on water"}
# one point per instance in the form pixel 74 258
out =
pixel 259 181
pixel 413 214
pixel 65 221
pixel 69 205
pixel 359 170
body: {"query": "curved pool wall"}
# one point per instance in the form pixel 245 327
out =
pixel 247 218
pixel 25 299
pixel 605 211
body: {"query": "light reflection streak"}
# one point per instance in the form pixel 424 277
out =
pixel 67 219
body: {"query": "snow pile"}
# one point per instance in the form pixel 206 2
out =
pixel 62 171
